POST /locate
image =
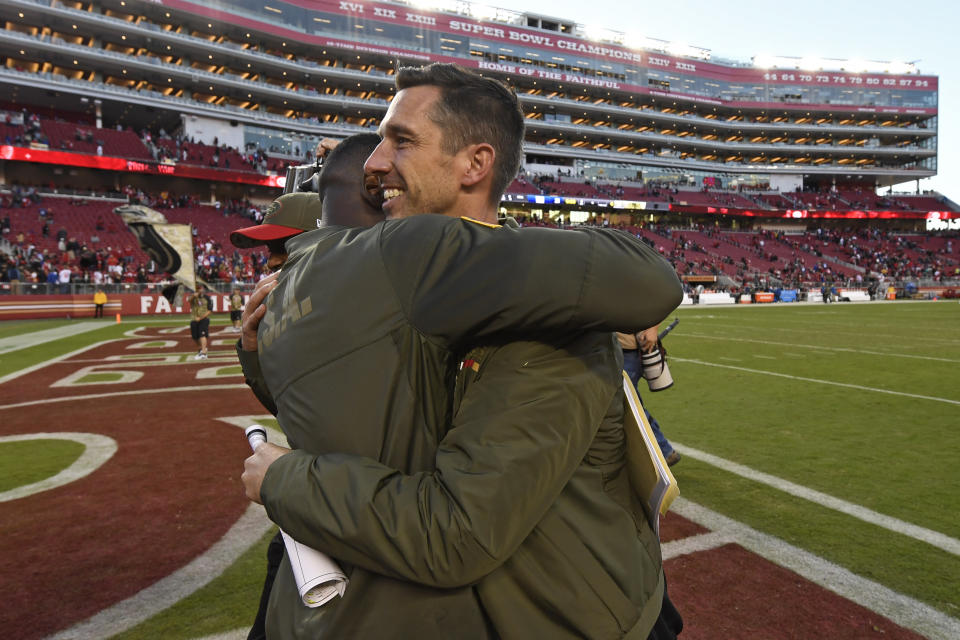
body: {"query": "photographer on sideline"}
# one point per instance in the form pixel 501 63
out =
pixel 632 346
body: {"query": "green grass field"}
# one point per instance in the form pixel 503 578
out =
pixel 858 402
pixel 888 452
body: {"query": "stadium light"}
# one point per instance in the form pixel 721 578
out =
pixel 857 65
pixel 763 61
pixel 434 5
pixel 482 11
pixel 684 50
pixel 899 67
pixel 593 32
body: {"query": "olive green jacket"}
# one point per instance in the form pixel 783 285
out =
pixel 359 347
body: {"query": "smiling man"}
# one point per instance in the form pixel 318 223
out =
pixel 515 520
pixel 433 160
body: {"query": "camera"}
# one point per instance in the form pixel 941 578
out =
pixel 653 366
pixel 304 177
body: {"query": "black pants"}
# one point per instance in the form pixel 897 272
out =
pixel 98 312
pixel 275 552
pixel 669 624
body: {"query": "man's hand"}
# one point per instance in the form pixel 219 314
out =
pixel 255 468
pixel 647 339
pixel 253 312
pixel 325 146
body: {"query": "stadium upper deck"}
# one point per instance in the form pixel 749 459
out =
pixel 282 73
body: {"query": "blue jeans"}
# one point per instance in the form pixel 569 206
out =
pixel 631 364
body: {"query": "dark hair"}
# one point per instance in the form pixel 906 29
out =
pixel 474 109
pixel 350 152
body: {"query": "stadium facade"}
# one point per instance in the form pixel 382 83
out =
pixel 602 108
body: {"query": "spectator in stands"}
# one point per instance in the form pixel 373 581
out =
pixel 63 277
pixel 12 275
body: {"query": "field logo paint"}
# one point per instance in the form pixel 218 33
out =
pixel 76 379
pixel 98 450
pixel 229 371
pixel 153 344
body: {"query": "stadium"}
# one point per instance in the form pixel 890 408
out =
pixel 774 182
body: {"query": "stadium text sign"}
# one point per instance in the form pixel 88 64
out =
pixel 548 75
pixel 937 223
pixel 73 159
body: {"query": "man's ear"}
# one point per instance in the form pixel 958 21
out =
pixel 479 159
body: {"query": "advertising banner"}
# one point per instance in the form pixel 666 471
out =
pixel 81 306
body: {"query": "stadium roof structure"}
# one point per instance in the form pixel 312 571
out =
pixel 284 73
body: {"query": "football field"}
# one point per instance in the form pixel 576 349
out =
pixel 818 481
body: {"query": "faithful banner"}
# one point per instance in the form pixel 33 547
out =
pixel 170 245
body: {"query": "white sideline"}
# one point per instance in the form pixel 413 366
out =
pixel 819 381
pixel 933 538
pixel 903 610
pixel 24 340
pixel 41 365
pixel 819 347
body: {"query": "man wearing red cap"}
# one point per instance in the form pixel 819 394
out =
pixel 287 216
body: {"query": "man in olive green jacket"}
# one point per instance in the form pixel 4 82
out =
pixel 358 347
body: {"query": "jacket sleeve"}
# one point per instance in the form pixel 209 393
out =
pixel 253 376
pixel 461 280
pixel 515 442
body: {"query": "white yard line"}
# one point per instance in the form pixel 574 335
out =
pixel 115 394
pixel 693 544
pixel 165 593
pixel 823 326
pixel 41 365
pixel 818 347
pixel 818 381
pixel 933 538
pixel 185 581
pixel 903 610
pixel 24 340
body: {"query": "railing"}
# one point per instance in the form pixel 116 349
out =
pixel 88 289
pixel 904 288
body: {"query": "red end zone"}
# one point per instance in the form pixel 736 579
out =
pixel 171 490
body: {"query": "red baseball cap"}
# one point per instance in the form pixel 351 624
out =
pixel 287 216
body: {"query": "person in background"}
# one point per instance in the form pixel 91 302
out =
pixel 236 309
pixel 201 306
pixel 633 345
pixel 99 299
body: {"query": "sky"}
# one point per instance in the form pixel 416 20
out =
pixel 925 31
